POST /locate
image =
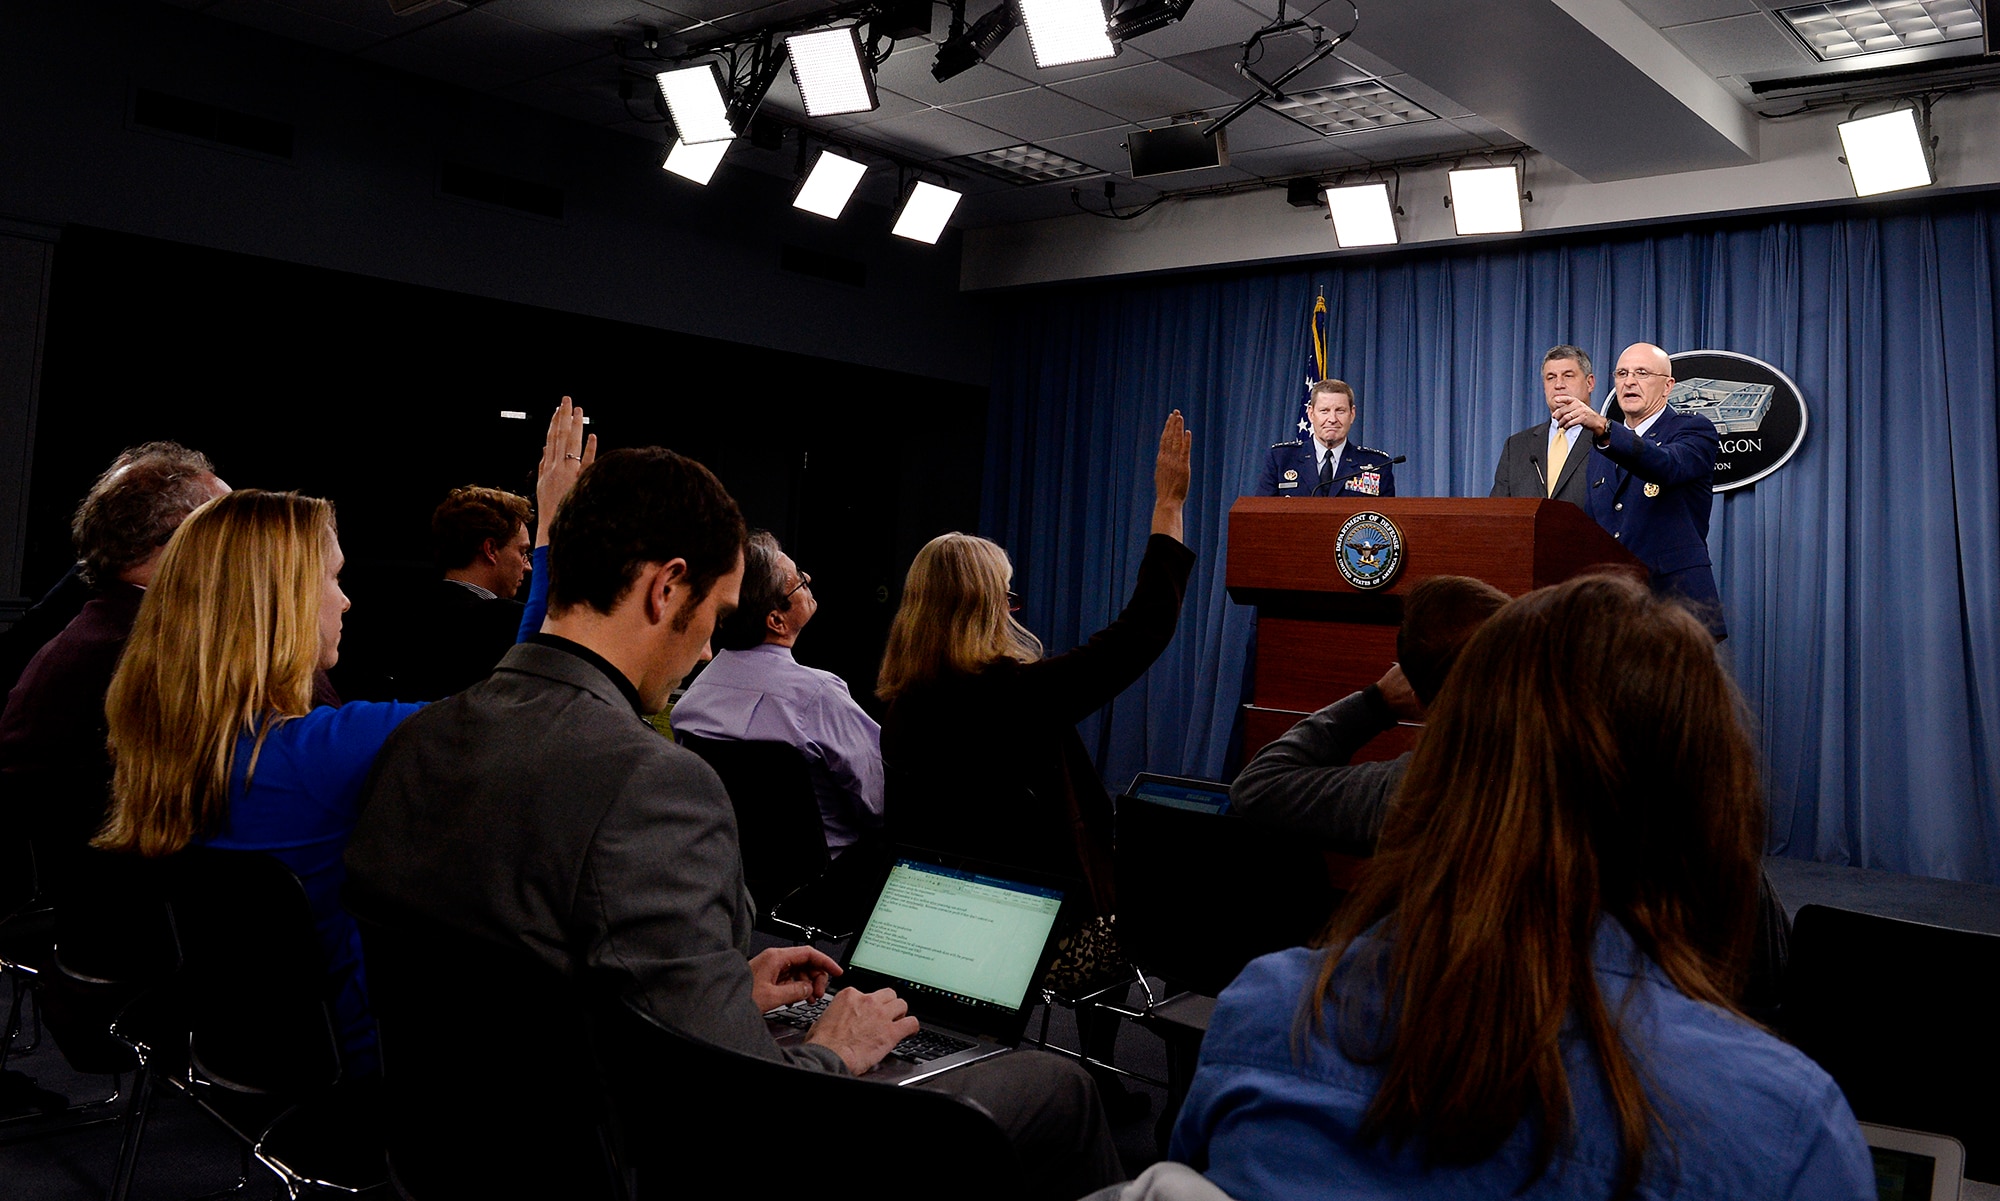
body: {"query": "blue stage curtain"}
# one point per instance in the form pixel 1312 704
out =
pixel 1861 582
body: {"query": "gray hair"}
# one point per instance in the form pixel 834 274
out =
pixel 136 505
pixel 1575 353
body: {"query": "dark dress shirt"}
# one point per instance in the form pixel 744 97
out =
pixel 53 761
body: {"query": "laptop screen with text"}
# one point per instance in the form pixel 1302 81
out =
pixel 972 938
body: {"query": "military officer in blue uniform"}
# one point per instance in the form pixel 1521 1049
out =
pixel 1652 479
pixel 1324 464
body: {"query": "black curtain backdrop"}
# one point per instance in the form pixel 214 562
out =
pixel 1861 582
pixel 382 396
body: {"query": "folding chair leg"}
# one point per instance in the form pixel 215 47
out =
pixel 135 1130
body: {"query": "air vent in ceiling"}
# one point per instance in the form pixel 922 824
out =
pixel 1352 108
pixel 1846 28
pixel 1027 164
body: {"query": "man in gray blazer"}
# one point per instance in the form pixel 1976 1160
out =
pixel 539 810
pixel 1532 463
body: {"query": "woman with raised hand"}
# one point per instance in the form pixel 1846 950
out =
pixel 1530 992
pixel 215 739
pixel 979 744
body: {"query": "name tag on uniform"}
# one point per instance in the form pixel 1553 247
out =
pixel 1368 483
pixel 1283 484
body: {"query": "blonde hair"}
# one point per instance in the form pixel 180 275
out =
pixel 953 617
pixel 226 641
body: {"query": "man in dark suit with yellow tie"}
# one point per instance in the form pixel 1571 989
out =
pixel 1546 459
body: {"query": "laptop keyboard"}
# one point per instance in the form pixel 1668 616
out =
pixel 926 1045
pixel 803 1014
pixel 921 1047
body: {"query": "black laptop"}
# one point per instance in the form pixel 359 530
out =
pixel 964 943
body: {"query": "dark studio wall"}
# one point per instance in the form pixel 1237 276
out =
pixel 382 395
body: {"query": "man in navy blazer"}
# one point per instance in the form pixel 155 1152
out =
pixel 1325 465
pixel 1651 479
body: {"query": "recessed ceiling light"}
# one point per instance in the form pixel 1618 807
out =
pixel 925 212
pixel 1066 31
pixel 1352 108
pixel 697 162
pixel 1486 200
pixel 694 98
pixel 1027 164
pixel 828 69
pixel 1885 153
pixel 1845 28
pixel 830 184
pixel 1362 215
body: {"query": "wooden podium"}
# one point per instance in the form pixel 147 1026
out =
pixel 1320 638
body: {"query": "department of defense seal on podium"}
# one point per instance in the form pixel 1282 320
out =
pixel 1370 551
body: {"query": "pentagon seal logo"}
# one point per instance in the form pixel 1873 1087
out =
pixel 1291 475
pixel 1370 551
pixel 1757 410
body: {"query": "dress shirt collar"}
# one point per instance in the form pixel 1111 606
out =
pixel 1321 451
pixel 1572 432
pixel 558 642
pixel 1641 428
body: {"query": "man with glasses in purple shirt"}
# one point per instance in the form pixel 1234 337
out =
pixel 755 691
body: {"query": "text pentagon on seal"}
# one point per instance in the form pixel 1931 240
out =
pixel 1369 551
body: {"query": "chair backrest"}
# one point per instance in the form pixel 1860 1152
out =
pixel 1901 1015
pixel 777 813
pixel 253 982
pixel 489 1085
pixel 678 1101
pixel 114 943
pixel 1202 894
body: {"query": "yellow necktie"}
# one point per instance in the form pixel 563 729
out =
pixel 1558 451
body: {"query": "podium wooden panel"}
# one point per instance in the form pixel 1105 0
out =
pixel 1320 638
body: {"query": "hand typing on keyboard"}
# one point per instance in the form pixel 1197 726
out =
pixel 863 1027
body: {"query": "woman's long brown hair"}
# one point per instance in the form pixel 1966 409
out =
pixel 953 617
pixel 226 642
pixel 1586 760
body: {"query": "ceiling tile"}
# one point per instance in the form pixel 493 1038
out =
pixel 908 72
pixel 1302 159
pixel 376 18
pixel 888 104
pixel 1404 141
pixel 295 24
pixel 1485 130
pixel 1209 23
pixel 1426 95
pixel 1017 57
pixel 1035 114
pixel 586 20
pixel 1741 46
pixel 1218 67
pixel 509 51
pixel 1260 129
pixel 933 133
pixel 1103 149
pixel 1143 92
pixel 1663 13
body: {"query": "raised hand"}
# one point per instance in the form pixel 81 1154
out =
pixel 565 453
pixel 1171 472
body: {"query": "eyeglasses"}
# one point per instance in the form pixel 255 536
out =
pixel 805 581
pixel 1013 601
pixel 1637 373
